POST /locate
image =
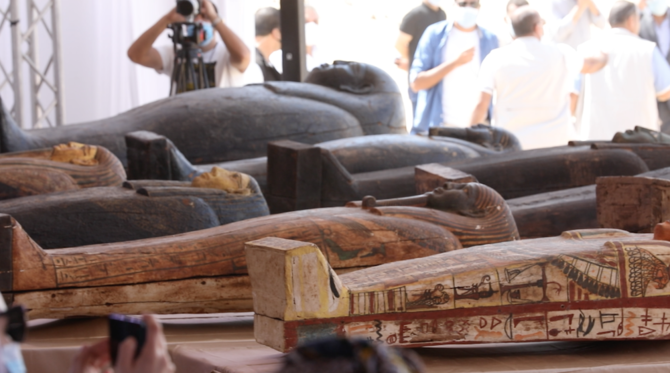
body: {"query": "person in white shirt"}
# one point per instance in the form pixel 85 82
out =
pixel 531 82
pixel 655 26
pixel 569 21
pixel 232 57
pixel 623 94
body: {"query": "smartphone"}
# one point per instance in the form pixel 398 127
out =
pixel 122 327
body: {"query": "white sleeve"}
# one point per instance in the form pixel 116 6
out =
pixel 487 72
pixel 167 55
pixel 573 61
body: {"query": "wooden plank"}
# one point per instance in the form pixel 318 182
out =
pixel 294 176
pixel 428 177
pixel 636 204
pixel 6 273
pixel 198 295
pixel 148 156
pixel 588 285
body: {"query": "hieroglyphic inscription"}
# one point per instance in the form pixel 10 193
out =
pixel 599 324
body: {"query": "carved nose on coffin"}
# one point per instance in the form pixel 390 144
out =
pixel 662 231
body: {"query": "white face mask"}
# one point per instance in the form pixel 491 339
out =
pixel 658 7
pixel 466 17
pixel 437 3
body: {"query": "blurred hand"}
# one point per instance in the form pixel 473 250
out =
pixel 208 10
pixel 173 17
pixel 402 63
pixel 466 56
pixel 153 358
pixel 91 359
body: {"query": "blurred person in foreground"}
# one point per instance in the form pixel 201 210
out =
pixel 340 355
pixel 268 40
pixel 153 358
pixel 231 57
pixel 411 29
pixel 655 27
pixel 445 67
pixel 569 21
pixel 626 91
pixel 506 36
pixel 532 82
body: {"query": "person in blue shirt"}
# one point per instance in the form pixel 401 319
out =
pixel 445 68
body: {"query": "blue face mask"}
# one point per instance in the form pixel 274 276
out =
pixel 12 358
pixel 466 16
pixel 208 30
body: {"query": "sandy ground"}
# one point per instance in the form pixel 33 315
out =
pixel 366 30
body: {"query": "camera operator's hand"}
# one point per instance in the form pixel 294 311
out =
pixel 153 358
pixel 91 359
pixel 173 17
pixel 208 10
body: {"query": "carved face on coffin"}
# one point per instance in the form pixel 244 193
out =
pixel 228 181
pixel 75 153
pixel 352 77
pixel 472 199
pixel 641 135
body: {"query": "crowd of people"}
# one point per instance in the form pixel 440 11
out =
pixel 547 81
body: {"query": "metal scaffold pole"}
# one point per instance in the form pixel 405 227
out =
pixel 46 89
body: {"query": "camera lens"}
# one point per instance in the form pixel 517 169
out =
pixel 185 7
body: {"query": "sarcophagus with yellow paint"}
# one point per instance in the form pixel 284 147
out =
pixel 583 285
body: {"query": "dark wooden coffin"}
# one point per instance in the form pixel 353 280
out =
pixel 32 172
pixel 140 209
pixel 549 214
pixel 218 125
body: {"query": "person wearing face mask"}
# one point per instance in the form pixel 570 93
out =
pixel 230 58
pixel 532 81
pixel 268 40
pixel 655 27
pixel 445 67
pixel 626 91
pixel 506 36
pixel 411 28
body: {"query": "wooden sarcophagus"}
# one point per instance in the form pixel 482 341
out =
pixel 582 286
pixel 137 210
pixel 216 125
pixel 64 167
pixel 205 270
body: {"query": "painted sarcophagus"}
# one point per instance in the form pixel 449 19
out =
pixel 583 285
pixel 205 271
pixel 63 167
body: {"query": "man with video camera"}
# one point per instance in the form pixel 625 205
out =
pixel 231 57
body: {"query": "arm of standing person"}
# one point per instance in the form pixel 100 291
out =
pixel 563 25
pixel 240 56
pixel 486 81
pixel 597 17
pixel 429 78
pixel 153 358
pixel 661 71
pixel 402 46
pixel 142 51
pixel 594 63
